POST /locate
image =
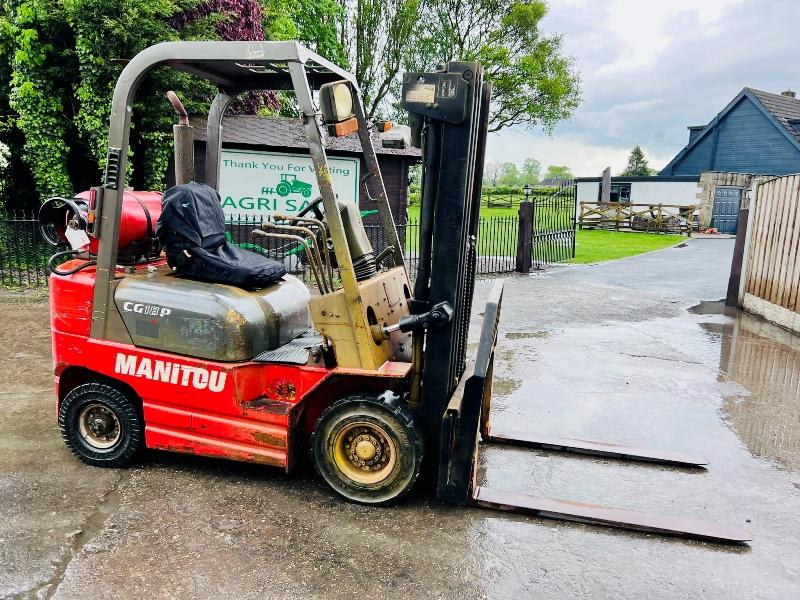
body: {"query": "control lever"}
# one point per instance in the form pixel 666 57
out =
pixel 440 314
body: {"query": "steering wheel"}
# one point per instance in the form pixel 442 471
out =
pixel 315 207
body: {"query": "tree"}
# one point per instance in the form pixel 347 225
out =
pixel 234 20
pixel 58 68
pixel 492 172
pixel 509 175
pixel 637 164
pixel 533 83
pixel 376 36
pixel 558 172
pixel 314 23
pixel 531 171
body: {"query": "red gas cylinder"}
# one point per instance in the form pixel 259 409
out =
pixel 140 212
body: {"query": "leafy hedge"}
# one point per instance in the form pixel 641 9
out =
pixel 58 68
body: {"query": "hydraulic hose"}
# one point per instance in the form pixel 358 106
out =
pixel 59 255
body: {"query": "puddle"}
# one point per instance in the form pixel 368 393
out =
pixel 523 335
pixel 765 360
pixel 713 307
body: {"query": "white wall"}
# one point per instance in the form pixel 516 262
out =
pixel 681 193
pixel 588 191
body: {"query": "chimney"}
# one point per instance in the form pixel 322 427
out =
pixel 789 94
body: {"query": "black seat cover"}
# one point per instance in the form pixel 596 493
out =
pixel 192 229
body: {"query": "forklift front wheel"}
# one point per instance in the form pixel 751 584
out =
pixel 368 449
pixel 100 425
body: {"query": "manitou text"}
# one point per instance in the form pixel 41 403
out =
pixel 170 372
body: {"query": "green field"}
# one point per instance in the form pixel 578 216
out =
pixel 499 238
pixel 599 246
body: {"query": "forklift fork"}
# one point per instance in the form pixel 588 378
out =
pixel 591 448
pixel 467 414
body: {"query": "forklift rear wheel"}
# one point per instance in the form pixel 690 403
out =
pixel 368 448
pixel 100 425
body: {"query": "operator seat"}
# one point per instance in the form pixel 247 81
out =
pixel 192 229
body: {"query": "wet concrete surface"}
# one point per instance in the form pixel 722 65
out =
pixel 592 352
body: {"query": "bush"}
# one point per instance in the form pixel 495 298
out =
pixel 502 190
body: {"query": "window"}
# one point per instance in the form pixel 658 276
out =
pixel 620 192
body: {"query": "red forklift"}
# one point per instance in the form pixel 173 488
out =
pixel 154 350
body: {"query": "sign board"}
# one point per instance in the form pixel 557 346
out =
pixel 256 184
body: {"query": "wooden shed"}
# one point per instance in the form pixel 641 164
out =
pixel 271 136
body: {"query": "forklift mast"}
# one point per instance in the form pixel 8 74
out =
pixel 449 113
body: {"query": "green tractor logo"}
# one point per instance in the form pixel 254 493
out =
pixel 290 184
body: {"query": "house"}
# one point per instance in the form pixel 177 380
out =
pixel 756 133
pixel 260 152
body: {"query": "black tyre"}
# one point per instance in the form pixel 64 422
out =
pixel 100 425
pixel 368 448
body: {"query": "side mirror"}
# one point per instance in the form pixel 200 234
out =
pixel 336 103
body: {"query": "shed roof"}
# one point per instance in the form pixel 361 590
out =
pixel 285 132
pixel 553 182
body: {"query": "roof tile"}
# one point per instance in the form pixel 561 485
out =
pixel 784 108
pixel 284 132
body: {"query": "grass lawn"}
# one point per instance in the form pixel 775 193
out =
pixel 413 212
pixel 597 246
pixel 500 238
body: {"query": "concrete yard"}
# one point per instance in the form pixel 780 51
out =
pixel 612 351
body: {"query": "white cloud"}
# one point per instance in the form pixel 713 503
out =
pixel 651 68
pixel 642 27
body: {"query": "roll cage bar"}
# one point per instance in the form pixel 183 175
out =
pixel 235 67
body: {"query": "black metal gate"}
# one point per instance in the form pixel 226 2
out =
pixel 554 226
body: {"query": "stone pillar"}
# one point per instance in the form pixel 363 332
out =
pixel 605 186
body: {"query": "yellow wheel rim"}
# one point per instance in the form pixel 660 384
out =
pixel 364 452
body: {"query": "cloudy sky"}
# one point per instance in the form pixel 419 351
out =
pixel 650 68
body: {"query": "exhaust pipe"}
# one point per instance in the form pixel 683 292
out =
pixel 183 134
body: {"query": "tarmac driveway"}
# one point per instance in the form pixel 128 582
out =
pixel 605 352
pixel 697 270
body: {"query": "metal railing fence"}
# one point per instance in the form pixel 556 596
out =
pixel 24 253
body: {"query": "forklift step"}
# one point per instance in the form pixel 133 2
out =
pixel 293 352
pixel 592 448
pixel 593 514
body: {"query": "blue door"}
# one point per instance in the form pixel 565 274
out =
pixel 725 217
